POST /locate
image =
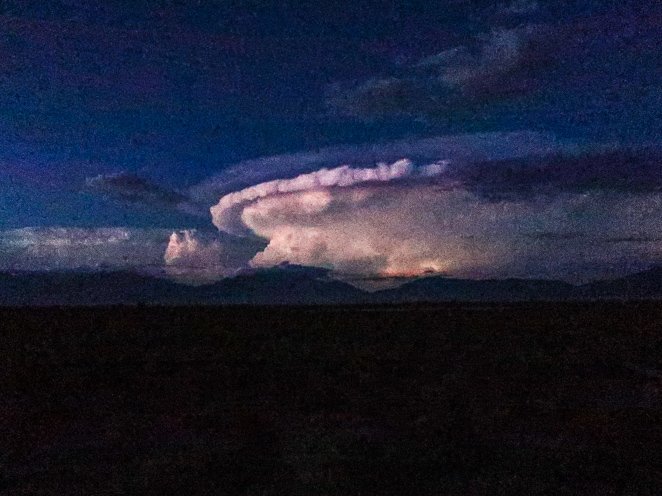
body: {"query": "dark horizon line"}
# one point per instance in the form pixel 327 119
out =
pixel 346 277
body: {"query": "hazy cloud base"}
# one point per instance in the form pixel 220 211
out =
pixel 59 248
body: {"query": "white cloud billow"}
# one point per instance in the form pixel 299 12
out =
pixel 195 256
pixel 403 219
pixel 223 215
pixel 417 228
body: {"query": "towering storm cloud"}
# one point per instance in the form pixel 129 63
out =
pixel 553 215
pixel 483 205
pixel 413 229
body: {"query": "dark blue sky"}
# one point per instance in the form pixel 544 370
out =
pixel 173 91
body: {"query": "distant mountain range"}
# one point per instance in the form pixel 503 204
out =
pixel 291 284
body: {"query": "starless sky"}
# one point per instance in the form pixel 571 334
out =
pixel 478 139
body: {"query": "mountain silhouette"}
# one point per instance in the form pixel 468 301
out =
pixel 298 285
pixel 448 289
pixel 646 284
pixel 285 284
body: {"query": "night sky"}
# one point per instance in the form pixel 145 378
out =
pixel 475 139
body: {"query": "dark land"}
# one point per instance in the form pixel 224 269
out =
pixel 454 398
pixel 299 285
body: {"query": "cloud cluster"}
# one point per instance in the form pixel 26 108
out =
pixel 188 255
pixel 529 62
pixel 50 248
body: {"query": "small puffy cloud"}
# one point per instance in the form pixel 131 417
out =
pixel 499 53
pixel 131 188
pixel 200 256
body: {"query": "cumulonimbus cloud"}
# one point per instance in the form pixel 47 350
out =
pixel 491 205
pixel 417 228
pixel 552 215
pixel 484 219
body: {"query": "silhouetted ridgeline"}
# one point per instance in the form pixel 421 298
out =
pixel 301 285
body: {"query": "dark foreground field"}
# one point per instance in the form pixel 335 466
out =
pixel 446 399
